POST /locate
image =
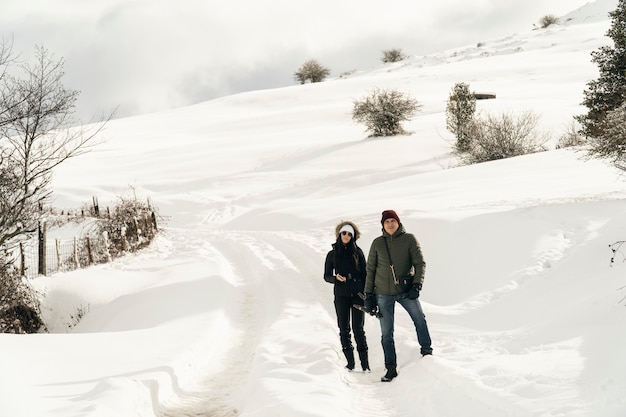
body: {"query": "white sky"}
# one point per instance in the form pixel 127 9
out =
pixel 149 55
pixel 227 313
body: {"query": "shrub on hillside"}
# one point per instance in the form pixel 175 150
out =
pixel 346 74
pixel 19 304
pixel 571 137
pixel 130 226
pixel 548 20
pixel 504 136
pixel 383 111
pixel 311 71
pixel 392 55
pixel 460 112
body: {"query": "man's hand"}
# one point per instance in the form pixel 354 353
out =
pixel 414 292
pixel 370 303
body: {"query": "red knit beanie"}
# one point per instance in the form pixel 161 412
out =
pixel 389 214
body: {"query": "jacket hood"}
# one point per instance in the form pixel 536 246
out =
pixel 343 223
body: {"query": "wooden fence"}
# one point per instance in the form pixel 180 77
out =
pixel 44 256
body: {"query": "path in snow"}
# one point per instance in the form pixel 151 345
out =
pixel 275 366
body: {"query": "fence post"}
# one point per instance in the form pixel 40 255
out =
pixel 105 238
pixel 145 224
pixel 138 231
pixel 89 255
pixel 57 243
pixel 22 260
pixel 123 237
pixel 41 267
pixel 76 260
pixel 96 207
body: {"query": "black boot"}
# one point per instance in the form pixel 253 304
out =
pixel 391 374
pixel 349 353
pixel 365 364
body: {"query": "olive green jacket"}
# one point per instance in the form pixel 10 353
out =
pixel 407 258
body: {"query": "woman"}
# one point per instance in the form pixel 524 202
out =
pixel 345 268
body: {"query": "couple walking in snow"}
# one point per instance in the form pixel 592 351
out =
pixel 351 274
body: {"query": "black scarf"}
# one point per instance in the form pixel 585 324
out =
pixel 346 252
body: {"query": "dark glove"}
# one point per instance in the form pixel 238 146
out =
pixel 414 292
pixel 370 303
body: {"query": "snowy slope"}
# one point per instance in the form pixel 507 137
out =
pixel 227 314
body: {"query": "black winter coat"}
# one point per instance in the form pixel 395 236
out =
pixel 407 257
pixel 346 266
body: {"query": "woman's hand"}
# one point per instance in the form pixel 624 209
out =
pixel 341 278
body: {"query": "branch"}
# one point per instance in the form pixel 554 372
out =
pixel 615 248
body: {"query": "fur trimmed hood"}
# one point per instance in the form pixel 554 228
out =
pixel 342 223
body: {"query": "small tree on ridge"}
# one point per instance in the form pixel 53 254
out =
pixel 311 71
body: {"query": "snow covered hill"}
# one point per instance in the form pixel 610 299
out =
pixel 227 314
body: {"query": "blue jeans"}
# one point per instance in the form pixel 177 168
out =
pixel 386 304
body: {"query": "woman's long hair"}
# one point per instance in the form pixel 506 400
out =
pixel 349 251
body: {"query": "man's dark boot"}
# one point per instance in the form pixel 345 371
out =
pixel 365 364
pixel 349 353
pixel 391 373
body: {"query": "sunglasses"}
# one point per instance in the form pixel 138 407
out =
pixel 346 233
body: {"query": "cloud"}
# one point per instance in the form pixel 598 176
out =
pixel 145 56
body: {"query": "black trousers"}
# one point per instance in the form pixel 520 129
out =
pixel 347 314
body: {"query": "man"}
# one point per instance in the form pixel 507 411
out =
pixel 380 289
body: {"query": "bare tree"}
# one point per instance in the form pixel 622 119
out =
pixel 37 133
pixel 6 59
pixel 311 71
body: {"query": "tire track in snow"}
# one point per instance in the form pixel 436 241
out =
pixel 281 300
pixel 361 397
pixel 262 276
pixel 208 385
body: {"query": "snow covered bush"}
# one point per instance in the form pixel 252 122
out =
pixel 130 226
pixel 504 136
pixel 571 137
pixel 383 111
pixel 392 55
pixel 548 20
pixel 19 305
pixel 460 111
